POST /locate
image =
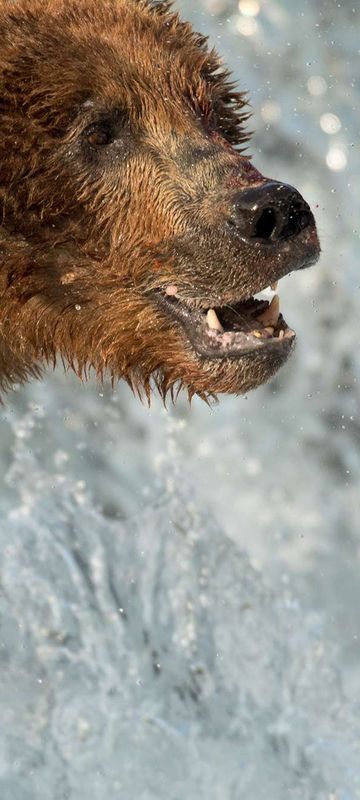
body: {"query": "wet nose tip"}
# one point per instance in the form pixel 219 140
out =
pixel 271 211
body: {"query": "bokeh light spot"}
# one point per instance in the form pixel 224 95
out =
pixel 250 8
pixel 247 26
pixel 271 111
pixel 330 123
pixel 317 85
pixel 336 159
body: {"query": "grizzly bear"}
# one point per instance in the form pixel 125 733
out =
pixel 135 231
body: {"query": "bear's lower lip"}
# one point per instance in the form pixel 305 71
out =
pixel 229 331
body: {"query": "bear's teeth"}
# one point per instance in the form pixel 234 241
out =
pixel 213 321
pixel 271 315
pixel 274 286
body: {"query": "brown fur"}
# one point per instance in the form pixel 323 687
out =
pixel 90 226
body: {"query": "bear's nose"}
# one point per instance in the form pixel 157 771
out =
pixel 270 212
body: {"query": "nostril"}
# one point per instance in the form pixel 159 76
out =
pixel 266 224
pixel 283 222
pixel 299 217
pixel 270 212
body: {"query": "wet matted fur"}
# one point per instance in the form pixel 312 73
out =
pixel 121 163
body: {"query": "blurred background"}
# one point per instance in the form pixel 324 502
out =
pixel 180 588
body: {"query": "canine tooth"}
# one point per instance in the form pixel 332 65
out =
pixel 269 329
pixel 274 286
pixel 281 334
pixel 171 290
pixel 271 314
pixel 213 321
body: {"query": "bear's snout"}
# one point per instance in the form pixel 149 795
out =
pixel 270 212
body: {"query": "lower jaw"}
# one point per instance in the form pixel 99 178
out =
pixel 209 377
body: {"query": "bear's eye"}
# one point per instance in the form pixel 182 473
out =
pixel 100 135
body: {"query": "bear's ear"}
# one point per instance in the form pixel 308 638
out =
pixel 163 6
pixel 160 6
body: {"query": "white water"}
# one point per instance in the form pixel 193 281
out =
pixel 180 591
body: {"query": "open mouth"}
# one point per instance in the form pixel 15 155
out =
pixel 231 330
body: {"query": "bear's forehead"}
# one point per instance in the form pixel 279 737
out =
pixel 104 48
pixel 123 29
